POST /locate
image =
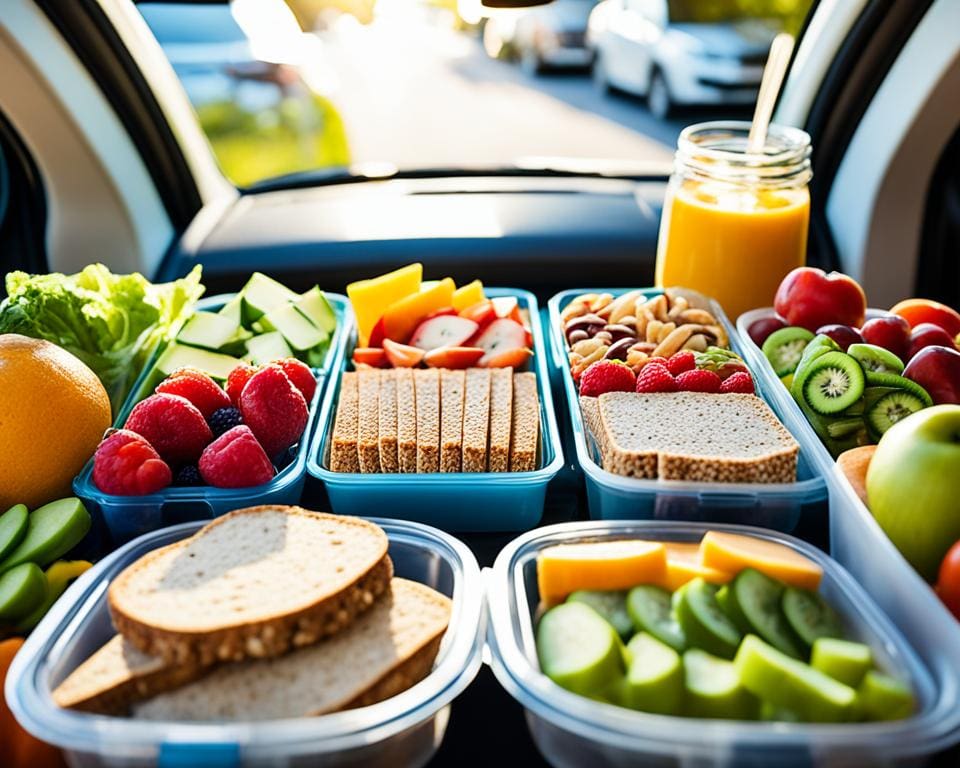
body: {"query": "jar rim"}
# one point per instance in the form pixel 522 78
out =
pixel 790 145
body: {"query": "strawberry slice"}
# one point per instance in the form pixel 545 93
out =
pixel 507 307
pixel 401 355
pixel 375 357
pixel 453 357
pixel 482 313
pixel 508 358
pixel 443 331
pixel 377 334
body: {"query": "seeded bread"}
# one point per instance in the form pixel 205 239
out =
pixel 501 419
pixel 427 385
pixel 343 451
pixel 387 421
pixel 255 583
pixel 452 391
pixel 368 418
pixel 526 423
pixel 387 650
pixel 406 421
pixel 476 420
pixel 731 438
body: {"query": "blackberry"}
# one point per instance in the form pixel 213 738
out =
pixel 189 475
pixel 224 419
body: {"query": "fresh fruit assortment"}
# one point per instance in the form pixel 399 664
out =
pixel 733 627
pixel 193 432
pixel 404 322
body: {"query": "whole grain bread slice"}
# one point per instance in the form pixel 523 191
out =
pixel 406 421
pixel 387 421
pixel 343 447
pixel 368 421
pixel 427 384
pixel 385 651
pixel 526 423
pixel 452 392
pixel 476 420
pixel 254 583
pixel 501 419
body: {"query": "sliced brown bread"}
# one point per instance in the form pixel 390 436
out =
pixel 343 447
pixel 385 651
pixel 526 423
pixel 452 392
pixel 406 421
pixel 501 419
pixel 116 676
pixel 254 583
pixel 427 385
pixel 387 421
pixel 695 436
pixel 368 419
pixel 476 420
pixel 590 408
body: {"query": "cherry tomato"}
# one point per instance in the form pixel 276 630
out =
pixel 948 584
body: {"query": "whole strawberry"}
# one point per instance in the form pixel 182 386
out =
pixel 127 465
pixel 172 425
pixel 235 460
pixel 274 409
pixel 698 380
pixel 654 377
pixel 606 376
pixel 740 382
pixel 237 380
pixel 198 388
pixel 681 362
pixel 300 376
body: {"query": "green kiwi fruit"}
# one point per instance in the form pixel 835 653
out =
pixel 894 381
pixel 890 409
pixel 876 359
pixel 784 348
pixel 833 382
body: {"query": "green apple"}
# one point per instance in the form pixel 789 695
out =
pixel 912 486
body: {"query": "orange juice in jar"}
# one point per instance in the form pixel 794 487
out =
pixel 734 224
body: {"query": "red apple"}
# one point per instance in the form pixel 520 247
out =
pixel 810 298
pixel 891 332
pixel 937 370
pixel 760 329
pixel 928 335
pixel 844 335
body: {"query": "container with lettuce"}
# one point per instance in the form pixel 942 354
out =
pixel 113 323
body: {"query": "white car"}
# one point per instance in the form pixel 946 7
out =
pixel 546 37
pixel 658 49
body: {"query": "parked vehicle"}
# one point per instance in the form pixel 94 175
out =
pixel 544 38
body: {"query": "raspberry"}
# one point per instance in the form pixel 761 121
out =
pixel 189 475
pixel 127 465
pixel 197 387
pixel 606 376
pixel 681 362
pixel 300 376
pixel 654 377
pixel 274 409
pixel 172 425
pixel 237 380
pixel 236 460
pixel 740 381
pixel 224 419
pixel 698 380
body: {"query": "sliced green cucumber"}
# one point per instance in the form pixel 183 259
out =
pixel 704 623
pixel 755 603
pixel 53 530
pixel 810 616
pixel 579 650
pixel 841 659
pixel 58 576
pixel 650 609
pixel 22 589
pixel 654 681
pixel 881 697
pixel 13 527
pixel 611 605
pixel 713 688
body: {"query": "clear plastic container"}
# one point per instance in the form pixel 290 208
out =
pixel 614 497
pixel 121 518
pixel 404 730
pixel 454 501
pixel 573 731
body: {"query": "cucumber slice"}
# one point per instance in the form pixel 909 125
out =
pixel 13 527
pixel 842 660
pixel 810 616
pixel 21 590
pixel 881 697
pixel 610 604
pixel 713 688
pixel 754 603
pixel 57 576
pixel 704 623
pixel 650 609
pixel 578 650
pixel 654 681
pixel 53 530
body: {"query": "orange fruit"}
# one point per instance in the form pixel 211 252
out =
pixel 53 413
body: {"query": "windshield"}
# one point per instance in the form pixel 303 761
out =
pixel 334 88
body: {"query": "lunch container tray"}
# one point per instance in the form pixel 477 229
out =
pixel 404 730
pixel 452 501
pixel 573 731
pixel 121 518
pixel 612 497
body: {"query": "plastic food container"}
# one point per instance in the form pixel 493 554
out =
pixel 404 730
pixel 611 496
pixel 574 731
pixel 121 518
pixel 454 501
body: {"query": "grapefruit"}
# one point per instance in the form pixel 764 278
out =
pixel 53 413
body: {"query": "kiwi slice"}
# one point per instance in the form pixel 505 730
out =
pixel 890 409
pixel 784 348
pixel 841 428
pixel 876 359
pixel 894 381
pixel 833 382
pixel 809 615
